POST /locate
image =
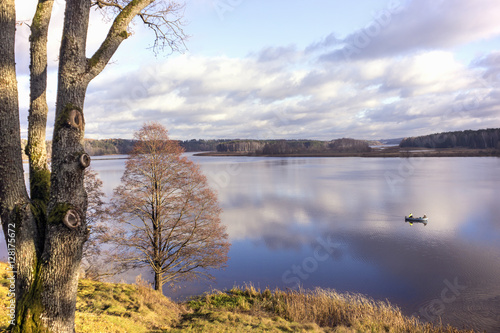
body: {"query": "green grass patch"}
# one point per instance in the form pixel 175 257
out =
pixel 319 310
pixel 117 307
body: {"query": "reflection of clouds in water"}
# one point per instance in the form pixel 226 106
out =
pixel 262 199
pixel 278 198
pixel 284 205
pixel 277 209
pixel 410 270
pixel 355 192
pixel 452 191
pixel 287 196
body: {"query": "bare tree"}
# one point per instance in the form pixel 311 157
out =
pixel 98 257
pixel 94 260
pixel 50 224
pixel 169 216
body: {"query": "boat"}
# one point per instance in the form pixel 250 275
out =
pixel 423 219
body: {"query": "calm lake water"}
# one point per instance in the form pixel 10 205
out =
pixel 339 223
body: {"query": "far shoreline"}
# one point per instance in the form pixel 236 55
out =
pixel 395 151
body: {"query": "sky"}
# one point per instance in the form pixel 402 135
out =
pixel 275 69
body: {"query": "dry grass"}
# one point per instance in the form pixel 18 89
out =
pixel 112 307
pixel 321 309
pixel 117 307
pixel 353 311
pixel 4 290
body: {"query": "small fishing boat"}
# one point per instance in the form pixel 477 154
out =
pixel 412 219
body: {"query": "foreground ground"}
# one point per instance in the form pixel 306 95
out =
pixel 119 307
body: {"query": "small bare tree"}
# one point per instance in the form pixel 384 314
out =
pixel 93 256
pixel 98 258
pixel 168 215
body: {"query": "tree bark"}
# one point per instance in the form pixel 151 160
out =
pixel 58 270
pixel 37 119
pixel 17 219
pixel 159 281
pixel 12 187
pixel 50 230
pixel 51 302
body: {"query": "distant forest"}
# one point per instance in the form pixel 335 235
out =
pixel 267 147
pixel 480 139
pixel 486 138
pixel 277 147
pixel 123 146
pixel 108 146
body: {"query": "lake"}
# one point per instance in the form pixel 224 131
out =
pixel 339 223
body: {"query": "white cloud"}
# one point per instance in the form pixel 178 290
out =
pixel 416 25
pixel 232 97
pixel 432 72
pixel 407 79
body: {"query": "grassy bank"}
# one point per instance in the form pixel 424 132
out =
pixel 118 307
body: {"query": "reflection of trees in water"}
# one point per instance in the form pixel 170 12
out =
pixel 284 205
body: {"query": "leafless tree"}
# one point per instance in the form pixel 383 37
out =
pixel 50 224
pixel 169 216
pixel 95 261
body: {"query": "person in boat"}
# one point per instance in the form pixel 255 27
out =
pixel 411 215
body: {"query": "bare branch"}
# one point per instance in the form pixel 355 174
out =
pixel 164 18
pixel 102 4
pixel 171 217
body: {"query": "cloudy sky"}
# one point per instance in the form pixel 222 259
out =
pixel 368 69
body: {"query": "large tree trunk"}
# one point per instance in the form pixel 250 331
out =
pixel 18 224
pixel 12 187
pixel 37 119
pixel 50 304
pixel 50 230
pixel 66 226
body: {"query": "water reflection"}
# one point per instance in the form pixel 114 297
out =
pixel 339 223
pixel 283 206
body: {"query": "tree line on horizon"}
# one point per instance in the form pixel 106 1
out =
pixel 97 147
pixel 478 139
pixel 475 139
pixel 278 146
pixel 125 146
